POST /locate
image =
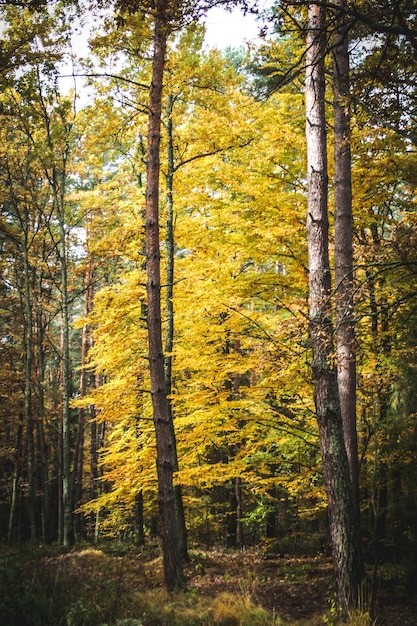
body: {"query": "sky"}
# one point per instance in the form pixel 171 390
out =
pixel 229 28
pixel 223 29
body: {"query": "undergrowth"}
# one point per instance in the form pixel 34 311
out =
pixel 90 587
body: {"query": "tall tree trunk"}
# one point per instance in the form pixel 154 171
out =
pixel 28 361
pixel 343 245
pixel 47 532
pixel 95 429
pixel 172 563
pixel 68 521
pixel 15 480
pixel 342 518
pixel 55 169
pixel 60 499
pixel 95 381
pixel 381 348
pixel 79 446
pixel 169 336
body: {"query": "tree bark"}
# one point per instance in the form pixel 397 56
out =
pixel 15 480
pixel 79 445
pixel 343 254
pixel 68 521
pixel 28 334
pixel 169 335
pixel 342 519
pixel 239 512
pixel 343 244
pixel 47 526
pixel 139 529
pixel 94 445
pixel 172 563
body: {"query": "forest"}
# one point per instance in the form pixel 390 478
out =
pixel 208 308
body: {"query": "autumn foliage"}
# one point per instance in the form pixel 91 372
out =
pixel 239 357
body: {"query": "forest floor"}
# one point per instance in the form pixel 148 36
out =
pixel 120 586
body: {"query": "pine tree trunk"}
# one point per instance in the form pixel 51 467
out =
pixel 343 254
pixel 342 518
pixel 172 562
pixel 343 229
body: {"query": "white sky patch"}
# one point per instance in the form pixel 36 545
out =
pixel 225 28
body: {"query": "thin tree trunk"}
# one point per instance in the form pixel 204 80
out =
pixel 239 512
pixel 68 529
pixel 60 500
pixel 79 446
pixel 93 445
pixel 97 487
pixel 28 381
pixel 343 254
pixel 343 244
pixel 238 481
pixel 380 346
pixel 172 562
pixel 169 335
pixel 342 518
pixel 139 532
pixel 46 487
pixel 56 172
pixel 15 479
pixel 94 448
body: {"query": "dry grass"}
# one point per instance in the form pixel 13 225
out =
pixel 108 587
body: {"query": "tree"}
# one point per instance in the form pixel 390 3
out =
pixel 228 287
pixel 386 216
pixel 343 521
pixel 170 332
pixel 18 213
pixel 57 123
pixel 161 413
pixel 27 41
pixel 45 122
pixel 166 17
pixel 343 244
pixel 241 287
